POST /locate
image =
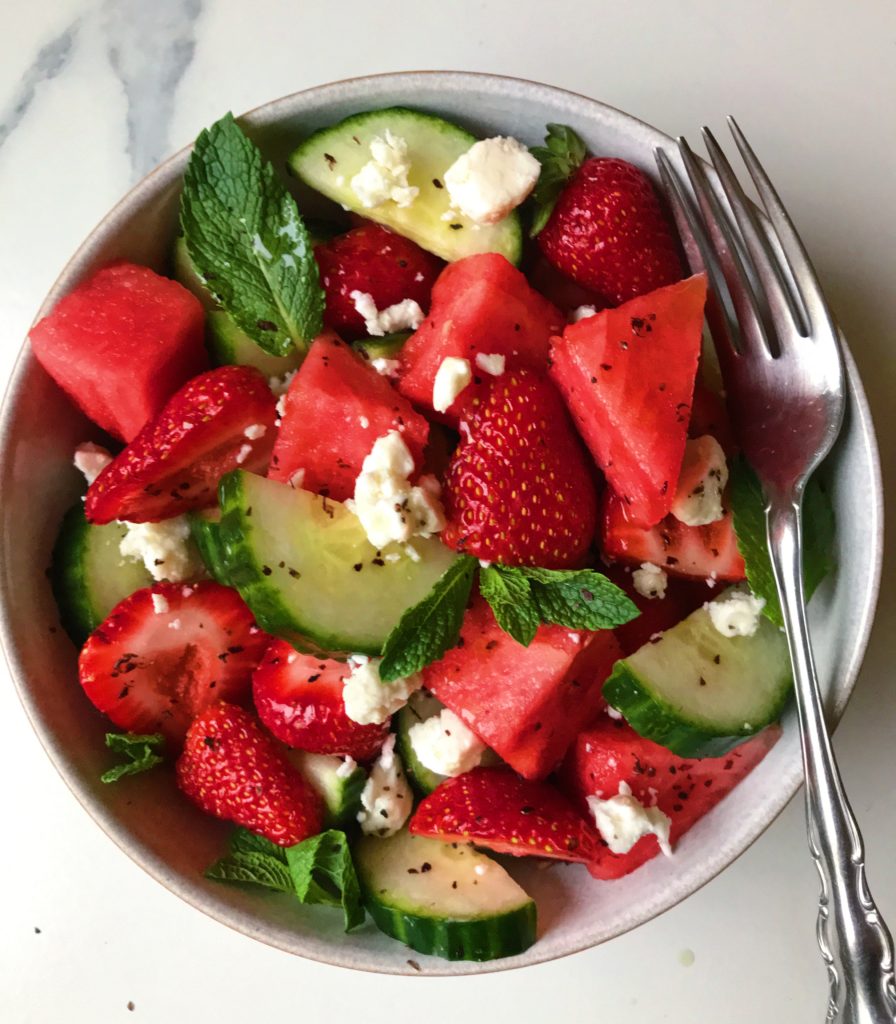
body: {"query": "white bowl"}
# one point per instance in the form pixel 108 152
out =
pixel 145 816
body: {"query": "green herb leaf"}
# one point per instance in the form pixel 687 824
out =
pixel 248 242
pixel 562 153
pixel 429 628
pixel 322 872
pixel 510 596
pixel 748 510
pixel 252 868
pixel 244 841
pixel 141 753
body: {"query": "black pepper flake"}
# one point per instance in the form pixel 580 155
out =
pixel 209 741
pixel 36 930
pixel 266 570
pixel 425 866
pixel 606 366
pixel 266 325
pixel 331 160
pixel 594 380
pixel 454 885
pixel 717 659
pixel 662 387
pixel 314 678
pixel 527 810
pixel 728 765
pixel 437 183
pixel 131 1005
pixel 377 561
pixel 358 566
pixel 295 574
pixel 491 645
pixel 702 681
pixel 414 965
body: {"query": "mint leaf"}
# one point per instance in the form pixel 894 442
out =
pixel 579 599
pixel 248 242
pixel 428 629
pixel 562 153
pixel 244 841
pixel 510 597
pixel 140 751
pixel 252 868
pixel 748 511
pixel 322 872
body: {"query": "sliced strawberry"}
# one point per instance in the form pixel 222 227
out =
pixel 565 293
pixel 299 698
pixel 218 421
pixel 495 808
pixel 519 488
pixel 710 416
pixel 169 651
pixel 233 770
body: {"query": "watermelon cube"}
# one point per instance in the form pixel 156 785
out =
pixel 627 375
pixel 526 703
pixel 611 752
pixel 481 305
pixel 336 407
pixel 121 344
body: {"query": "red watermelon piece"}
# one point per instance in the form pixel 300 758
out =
pixel 336 407
pixel 121 344
pixel 685 789
pixel 627 375
pixel 481 305
pixel 526 703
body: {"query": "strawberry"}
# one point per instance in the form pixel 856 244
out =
pixel 609 233
pixel 217 422
pixel 233 770
pixel 519 489
pixel 374 260
pixel 299 698
pixel 710 416
pixel 495 808
pixel 167 652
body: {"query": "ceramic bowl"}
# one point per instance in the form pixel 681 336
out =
pixel 145 816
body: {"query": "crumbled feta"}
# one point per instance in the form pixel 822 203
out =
pixel 386 797
pixel 363 422
pixel 581 313
pixel 623 820
pixel 174 624
pixel 613 713
pixel 347 768
pixel 163 548
pixel 385 175
pixel 91 459
pixel 444 745
pixel 492 363
pixel 160 604
pixel 736 613
pixel 386 367
pixel 452 376
pixel 370 701
pixel 698 499
pixel 492 178
pixel 402 316
pixel 280 385
pixel 243 454
pixel 255 431
pixel 650 580
pixel 389 507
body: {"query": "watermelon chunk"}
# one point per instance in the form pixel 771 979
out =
pixel 627 375
pixel 526 703
pixel 685 789
pixel 336 407
pixel 480 305
pixel 121 344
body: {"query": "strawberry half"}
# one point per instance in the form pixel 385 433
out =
pixel 167 652
pixel 233 770
pixel 217 422
pixel 497 809
pixel 299 698
pixel 519 488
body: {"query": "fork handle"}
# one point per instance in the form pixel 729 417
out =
pixel 855 942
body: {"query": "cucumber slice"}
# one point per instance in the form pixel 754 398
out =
pixel 304 566
pixel 443 899
pixel 386 347
pixel 185 272
pixel 331 157
pixel 205 527
pixel 420 706
pixel 228 345
pixel 89 575
pixel 338 784
pixel 699 693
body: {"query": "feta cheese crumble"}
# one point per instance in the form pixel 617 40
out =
pixel 581 313
pixel 91 459
pixel 650 580
pixel 492 363
pixel 385 176
pixel 347 768
pixel 163 548
pixel 444 745
pixel 280 385
pixel 623 820
pixel 370 701
pixel 160 604
pixel 389 507
pixel 402 316
pixel 386 367
pixel 386 797
pixel 255 431
pixel 702 482
pixel 736 613
pixel 452 376
pixel 492 178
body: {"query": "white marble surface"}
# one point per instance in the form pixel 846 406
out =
pixel 92 94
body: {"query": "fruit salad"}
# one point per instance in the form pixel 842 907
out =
pixel 416 538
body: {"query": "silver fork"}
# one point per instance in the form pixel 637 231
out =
pixel 779 352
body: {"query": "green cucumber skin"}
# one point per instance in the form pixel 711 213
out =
pixel 341 795
pixel 342 809
pixel 422 780
pixel 205 528
pixel 228 345
pixel 386 347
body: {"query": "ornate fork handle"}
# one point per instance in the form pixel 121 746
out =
pixel 855 942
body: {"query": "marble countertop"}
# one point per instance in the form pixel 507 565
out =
pixel 92 95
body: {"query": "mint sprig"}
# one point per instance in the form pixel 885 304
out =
pixel 510 596
pixel 141 752
pixel 248 242
pixel 560 156
pixel 428 629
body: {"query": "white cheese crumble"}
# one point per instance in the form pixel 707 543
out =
pixel 581 313
pixel 370 701
pixel 452 376
pixel 389 507
pixel 347 768
pixel 386 367
pixel 163 548
pixel 698 502
pixel 623 820
pixel 160 604
pixel 444 745
pixel 613 713
pixel 174 624
pixel 736 613
pixel 255 431
pixel 402 316
pixel 363 422
pixel 385 175
pixel 492 178
pixel 243 454
pixel 386 797
pixel 650 580
pixel 91 459
pixel 492 363
pixel 280 385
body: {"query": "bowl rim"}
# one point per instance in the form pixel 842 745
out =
pixel 248 924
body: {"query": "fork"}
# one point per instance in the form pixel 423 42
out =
pixel 782 366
